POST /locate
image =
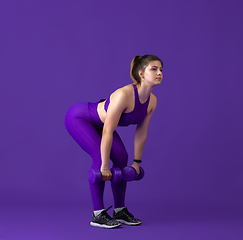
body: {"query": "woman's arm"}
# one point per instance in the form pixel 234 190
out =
pixel 115 109
pixel 141 135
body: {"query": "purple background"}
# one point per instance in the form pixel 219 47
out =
pixel 56 53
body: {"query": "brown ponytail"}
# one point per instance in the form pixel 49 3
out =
pixel 133 72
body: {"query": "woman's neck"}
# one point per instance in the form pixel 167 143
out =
pixel 144 92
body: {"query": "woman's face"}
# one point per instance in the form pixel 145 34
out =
pixel 152 74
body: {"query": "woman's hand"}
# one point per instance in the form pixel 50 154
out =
pixel 105 174
pixel 136 166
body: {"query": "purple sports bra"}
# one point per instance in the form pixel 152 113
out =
pixel 137 115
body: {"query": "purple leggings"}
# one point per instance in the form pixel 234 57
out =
pixel 84 125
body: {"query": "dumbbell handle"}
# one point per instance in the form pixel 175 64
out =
pixel 95 176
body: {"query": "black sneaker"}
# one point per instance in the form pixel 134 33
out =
pixel 104 220
pixel 126 217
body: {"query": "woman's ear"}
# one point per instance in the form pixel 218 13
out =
pixel 140 74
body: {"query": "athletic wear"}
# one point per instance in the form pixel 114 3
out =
pixel 118 209
pixel 125 217
pixel 104 220
pixel 84 125
pixel 137 115
pixel 97 212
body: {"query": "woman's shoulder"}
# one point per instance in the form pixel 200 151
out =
pixel 127 88
pixel 153 97
pixel 152 102
pixel 124 91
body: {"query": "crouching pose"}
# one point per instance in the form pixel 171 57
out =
pixel 92 126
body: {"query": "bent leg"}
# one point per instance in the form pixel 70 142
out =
pixel 79 125
pixel 119 157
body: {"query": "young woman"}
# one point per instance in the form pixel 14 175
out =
pixel 92 126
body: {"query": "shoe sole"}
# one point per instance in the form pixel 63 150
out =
pixel 103 225
pixel 127 223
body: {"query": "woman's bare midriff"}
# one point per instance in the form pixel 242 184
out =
pixel 101 111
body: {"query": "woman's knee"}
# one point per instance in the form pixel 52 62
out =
pixel 120 159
